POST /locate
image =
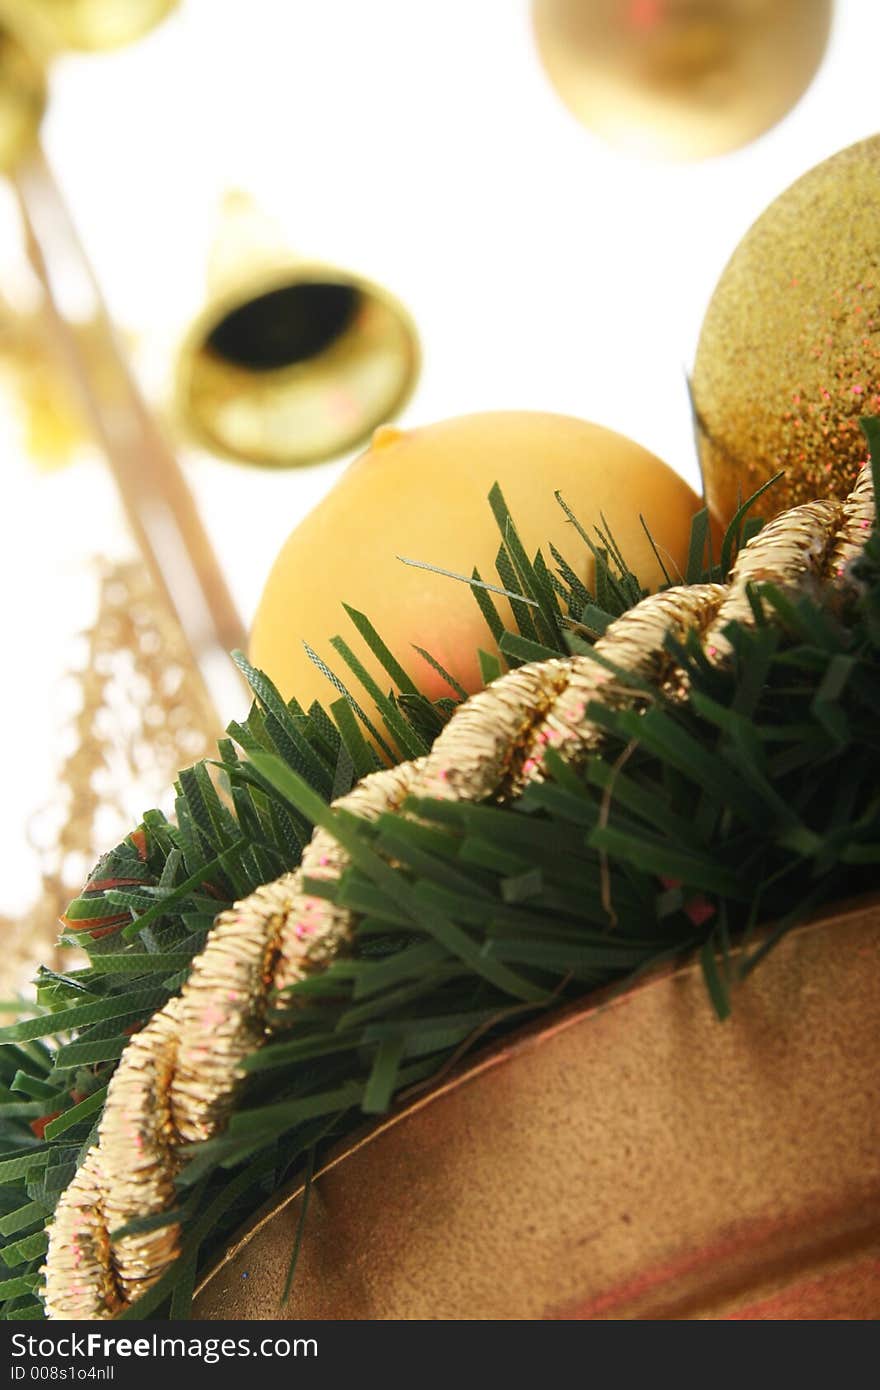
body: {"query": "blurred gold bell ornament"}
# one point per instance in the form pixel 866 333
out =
pixel 93 25
pixel 789 357
pixel 292 361
pixel 681 79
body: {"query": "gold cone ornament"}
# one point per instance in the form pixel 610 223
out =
pixel 292 361
pixel 788 358
pixel 680 79
pixel 177 1082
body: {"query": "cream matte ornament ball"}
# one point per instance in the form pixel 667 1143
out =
pixel 789 353
pixel 680 79
pixel 422 494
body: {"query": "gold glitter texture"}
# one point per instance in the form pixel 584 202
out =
pixel 789 353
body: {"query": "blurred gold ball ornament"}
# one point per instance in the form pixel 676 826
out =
pixel 681 79
pixel 94 25
pixel 31 31
pixel 789 354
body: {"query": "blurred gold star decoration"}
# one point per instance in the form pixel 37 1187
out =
pixel 37 385
pixel 139 713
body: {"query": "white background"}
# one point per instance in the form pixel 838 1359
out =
pixel 418 142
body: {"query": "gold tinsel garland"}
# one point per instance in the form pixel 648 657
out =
pixel 177 1079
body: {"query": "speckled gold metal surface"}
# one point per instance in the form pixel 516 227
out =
pixel 176 1082
pixel 739 1178
pixel 789 353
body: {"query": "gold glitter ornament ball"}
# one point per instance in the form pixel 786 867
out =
pixel 789 353
pixel 422 494
pixel 680 79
